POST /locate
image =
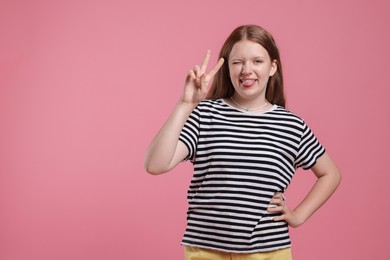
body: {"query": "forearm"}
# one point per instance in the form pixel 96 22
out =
pixel 165 151
pixel 317 196
pixel 328 179
pixel 160 155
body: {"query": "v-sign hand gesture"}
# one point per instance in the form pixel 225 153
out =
pixel 197 81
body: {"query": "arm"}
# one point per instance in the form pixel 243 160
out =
pixel 166 151
pixel 328 179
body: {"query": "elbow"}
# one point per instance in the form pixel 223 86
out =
pixel 336 177
pixel 153 170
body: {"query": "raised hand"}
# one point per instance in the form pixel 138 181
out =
pixel 197 81
pixel 166 151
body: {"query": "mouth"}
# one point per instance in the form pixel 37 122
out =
pixel 247 83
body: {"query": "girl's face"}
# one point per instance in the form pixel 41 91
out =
pixel 250 68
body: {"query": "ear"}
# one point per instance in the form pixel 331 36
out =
pixel 274 68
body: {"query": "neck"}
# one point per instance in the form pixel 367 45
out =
pixel 249 106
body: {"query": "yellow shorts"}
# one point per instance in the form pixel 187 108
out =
pixel 196 253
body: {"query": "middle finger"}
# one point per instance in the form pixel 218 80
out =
pixel 197 72
pixel 205 62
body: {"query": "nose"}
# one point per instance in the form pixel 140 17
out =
pixel 246 69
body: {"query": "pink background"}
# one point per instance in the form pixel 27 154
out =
pixel 85 85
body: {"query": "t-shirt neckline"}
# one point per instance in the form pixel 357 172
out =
pixel 249 112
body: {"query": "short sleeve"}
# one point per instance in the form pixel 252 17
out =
pixel 310 149
pixel 190 133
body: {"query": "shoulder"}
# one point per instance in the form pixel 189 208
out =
pixel 211 105
pixel 285 114
pixel 211 102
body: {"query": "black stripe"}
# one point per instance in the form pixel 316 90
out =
pixel 240 154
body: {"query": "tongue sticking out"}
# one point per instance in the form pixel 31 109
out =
pixel 248 83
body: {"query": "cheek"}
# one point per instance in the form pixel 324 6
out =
pixel 265 72
pixel 234 72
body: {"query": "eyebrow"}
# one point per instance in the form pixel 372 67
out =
pixel 257 57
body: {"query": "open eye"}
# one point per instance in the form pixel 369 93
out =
pixel 258 61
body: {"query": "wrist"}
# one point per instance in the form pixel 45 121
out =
pixel 186 104
pixel 299 218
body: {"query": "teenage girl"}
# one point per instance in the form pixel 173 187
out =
pixel 245 147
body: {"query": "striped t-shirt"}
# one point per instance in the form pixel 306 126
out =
pixel 241 159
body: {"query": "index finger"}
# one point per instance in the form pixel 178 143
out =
pixel 205 62
pixel 217 66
